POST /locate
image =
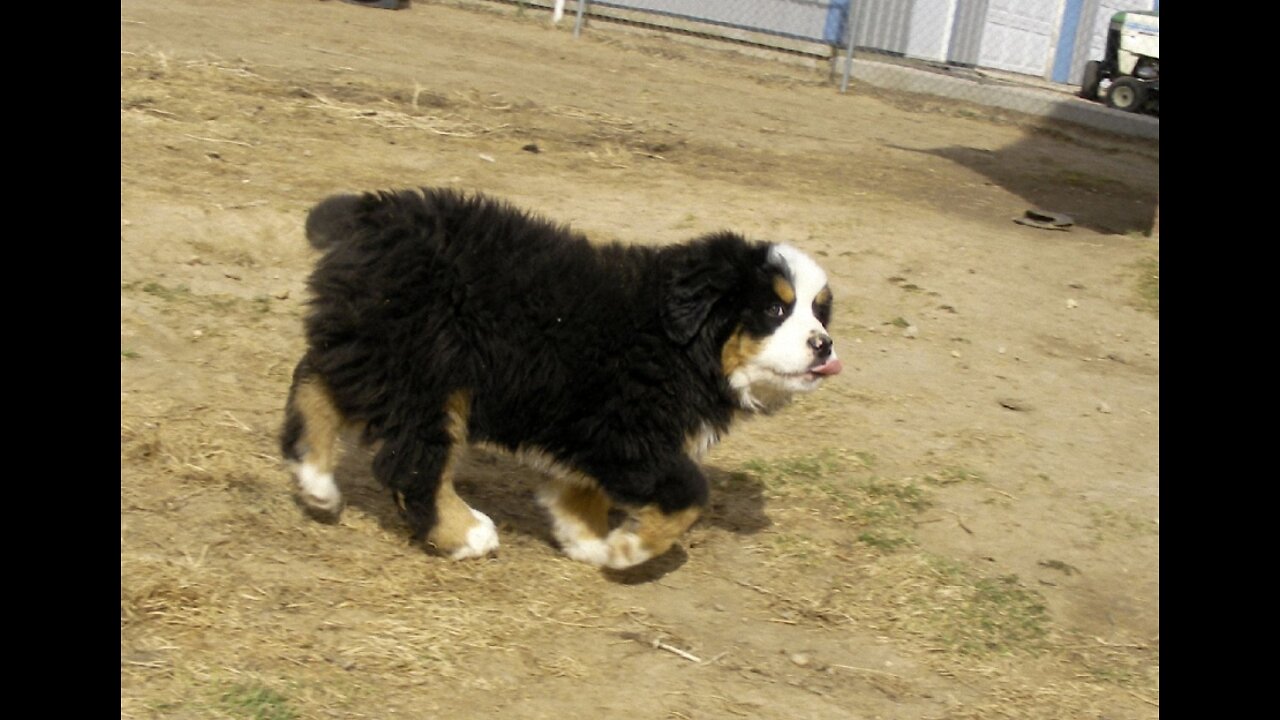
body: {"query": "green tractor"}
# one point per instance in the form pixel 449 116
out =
pixel 1128 77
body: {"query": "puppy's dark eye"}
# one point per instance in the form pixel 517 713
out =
pixel 775 310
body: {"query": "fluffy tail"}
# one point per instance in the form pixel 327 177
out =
pixel 332 220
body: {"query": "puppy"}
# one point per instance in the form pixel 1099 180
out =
pixel 440 319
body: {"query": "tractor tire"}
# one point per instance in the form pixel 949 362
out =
pixel 1128 94
pixel 1092 76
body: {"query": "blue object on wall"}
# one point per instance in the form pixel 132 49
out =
pixel 1067 41
pixel 837 20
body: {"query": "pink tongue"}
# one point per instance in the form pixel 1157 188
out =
pixel 830 367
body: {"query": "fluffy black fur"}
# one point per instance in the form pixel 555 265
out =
pixel 606 358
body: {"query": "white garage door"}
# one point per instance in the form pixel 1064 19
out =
pixel 1019 34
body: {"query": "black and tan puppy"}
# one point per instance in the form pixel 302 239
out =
pixel 440 319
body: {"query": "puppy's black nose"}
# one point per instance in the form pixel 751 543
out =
pixel 821 344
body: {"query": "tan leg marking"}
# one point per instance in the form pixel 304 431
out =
pixel 579 512
pixel 579 518
pixel 648 533
pixel 321 422
pixel 321 425
pixel 460 531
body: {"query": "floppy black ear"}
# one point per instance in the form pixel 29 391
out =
pixel 333 220
pixel 700 275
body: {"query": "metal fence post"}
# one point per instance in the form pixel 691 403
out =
pixel 577 24
pixel 848 52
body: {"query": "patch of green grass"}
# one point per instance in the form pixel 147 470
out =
pixel 797 547
pixel 899 322
pixel 953 474
pixel 1092 183
pixel 259 305
pixel 166 293
pixel 1135 666
pixel 1006 614
pixel 909 495
pixel 1149 285
pixel 257 702
pixel 880 510
pixel 884 541
pixel 1106 520
pixel 1114 675
pixel 986 615
pixel 867 459
pixel 129 354
pixel 803 467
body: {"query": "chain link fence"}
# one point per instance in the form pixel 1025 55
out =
pixel 966 49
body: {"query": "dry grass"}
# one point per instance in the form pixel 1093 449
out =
pixel 234 605
pixel 1149 285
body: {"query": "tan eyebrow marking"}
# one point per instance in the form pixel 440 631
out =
pixel 784 289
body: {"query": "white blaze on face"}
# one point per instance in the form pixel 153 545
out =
pixel 784 361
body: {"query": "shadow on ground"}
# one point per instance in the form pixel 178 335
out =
pixel 1116 197
pixel 505 490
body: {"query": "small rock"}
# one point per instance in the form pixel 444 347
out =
pixel 1103 407
pixel 282 295
pixel 911 331
pixel 1072 303
pixel 487 158
pixel 532 147
pixel 1001 349
pixel 801 659
pixel 955 353
pixel 1014 404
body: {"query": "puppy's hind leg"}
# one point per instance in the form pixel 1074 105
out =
pixel 417 462
pixel 309 441
pixel 579 518
pixel 651 529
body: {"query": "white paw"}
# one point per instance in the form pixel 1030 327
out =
pixel 482 538
pixel 625 550
pixel 317 489
pixel 592 551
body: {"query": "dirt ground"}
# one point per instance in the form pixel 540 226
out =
pixel 964 524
